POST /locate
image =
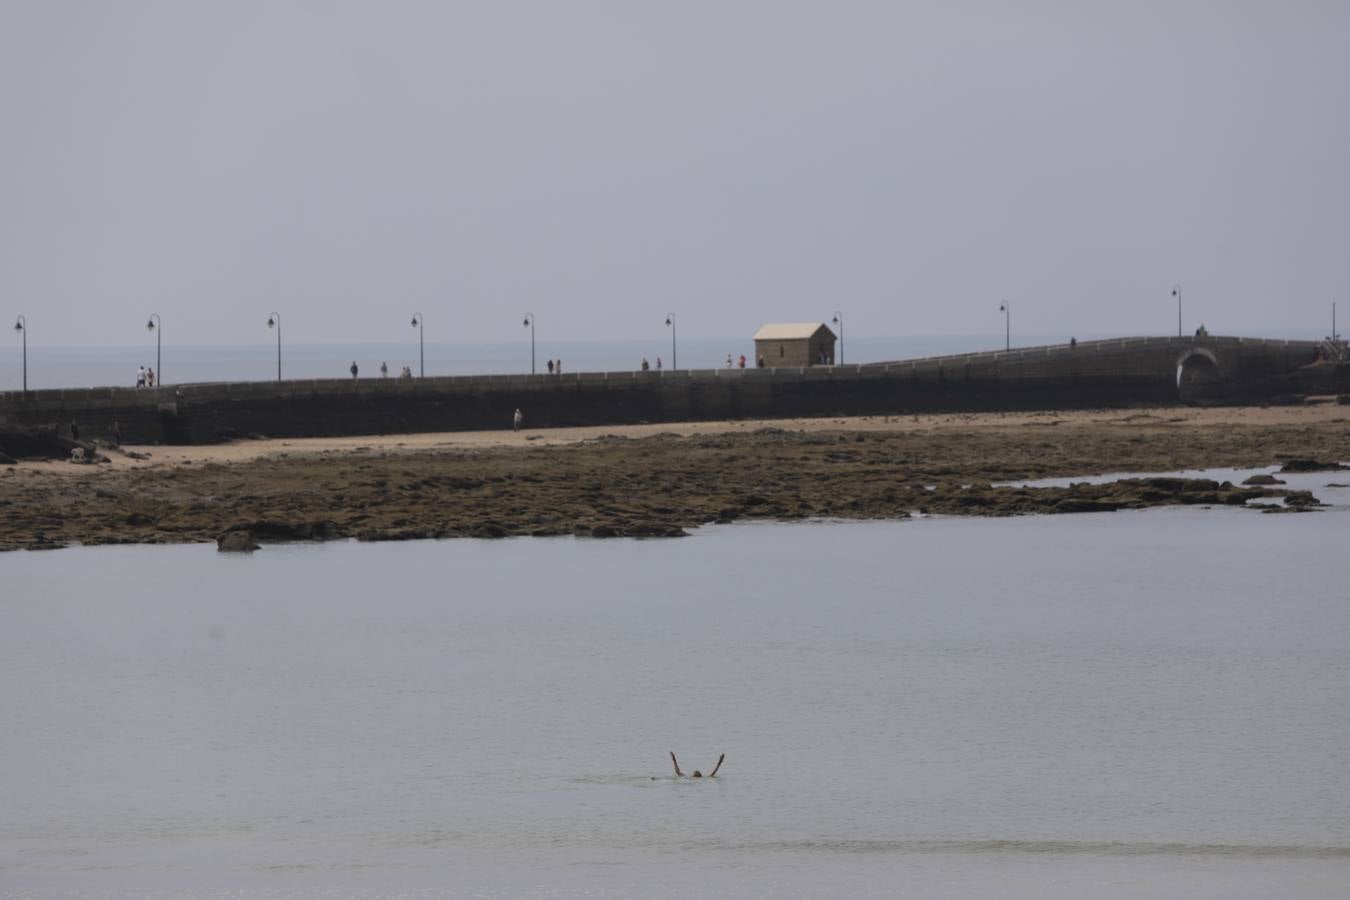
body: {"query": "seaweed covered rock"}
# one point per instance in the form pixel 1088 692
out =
pixel 1312 465
pixel 240 541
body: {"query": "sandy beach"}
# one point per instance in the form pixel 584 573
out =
pixel 651 479
pixel 1311 415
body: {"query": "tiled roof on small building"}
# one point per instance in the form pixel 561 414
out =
pixel 790 332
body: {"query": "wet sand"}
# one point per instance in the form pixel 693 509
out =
pixel 651 480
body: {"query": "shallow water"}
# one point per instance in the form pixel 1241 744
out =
pixel 1124 704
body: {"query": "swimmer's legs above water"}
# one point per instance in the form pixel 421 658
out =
pixel 697 773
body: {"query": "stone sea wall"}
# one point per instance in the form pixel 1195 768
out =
pixel 1091 374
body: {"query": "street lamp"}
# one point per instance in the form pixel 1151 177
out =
pixel 21 326
pixel 156 324
pixel 1006 309
pixel 419 319
pixel 1176 292
pixel 274 321
pixel 674 356
pixel 529 323
pixel 839 320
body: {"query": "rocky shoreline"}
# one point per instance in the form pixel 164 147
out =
pixel 657 486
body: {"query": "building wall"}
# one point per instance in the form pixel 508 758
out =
pixel 802 352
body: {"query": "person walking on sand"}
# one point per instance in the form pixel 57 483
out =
pixel 384 370
pixel 550 367
pixel 516 420
pixel 354 370
pixel 742 363
pixel 645 365
pixel 140 377
pixel 557 367
pixel 729 360
pixel 697 773
pixel 658 364
pixel 149 377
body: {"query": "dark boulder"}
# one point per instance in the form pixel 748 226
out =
pixel 274 531
pixel 1311 465
pixel 488 530
pixel 655 530
pixel 240 541
pixel 1262 479
pixel 1301 499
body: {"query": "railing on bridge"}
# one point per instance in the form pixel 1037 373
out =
pixel 1331 350
pixel 1335 351
pixel 1095 346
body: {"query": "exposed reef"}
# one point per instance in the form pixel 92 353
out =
pixel 659 486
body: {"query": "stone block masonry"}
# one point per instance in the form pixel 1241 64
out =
pixel 1123 372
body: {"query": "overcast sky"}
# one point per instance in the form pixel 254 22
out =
pixel 602 164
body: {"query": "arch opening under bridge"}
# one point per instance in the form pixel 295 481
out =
pixel 1197 372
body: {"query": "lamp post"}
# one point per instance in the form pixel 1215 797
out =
pixel 274 321
pixel 419 322
pixel 156 324
pixel 839 320
pixel 21 326
pixel 1176 292
pixel 674 356
pixel 529 323
pixel 1006 309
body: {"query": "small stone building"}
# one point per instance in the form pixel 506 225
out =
pixel 801 344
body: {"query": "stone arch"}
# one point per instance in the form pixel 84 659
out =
pixel 1197 372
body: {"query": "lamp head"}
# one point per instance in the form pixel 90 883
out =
pixel 18 326
pixel 835 320
pixel 526 322
pixel 270 322
pixel 1003 307
pixel 414 321
pixel 150 325
pixel 667 320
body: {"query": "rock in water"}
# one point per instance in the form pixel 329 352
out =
pixel 1263 479
pixel 1301 500
pixel 1312 465
pixel 236 542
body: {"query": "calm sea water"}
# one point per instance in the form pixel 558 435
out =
pixel 55 367
pixel 1119 705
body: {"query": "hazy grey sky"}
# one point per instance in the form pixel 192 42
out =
pixel 601 164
